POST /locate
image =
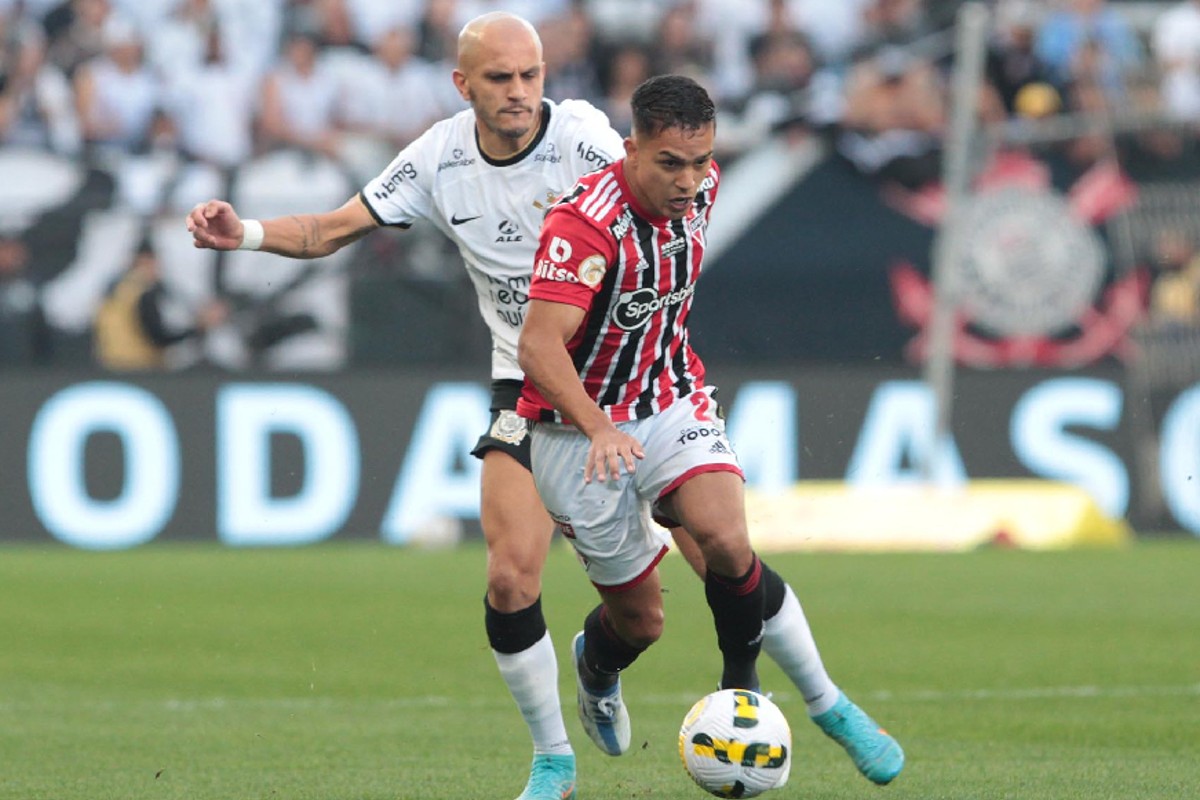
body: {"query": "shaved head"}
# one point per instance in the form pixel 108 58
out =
pixel 501 74
pixel 487 31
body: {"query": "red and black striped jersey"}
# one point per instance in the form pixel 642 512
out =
pixel 634 274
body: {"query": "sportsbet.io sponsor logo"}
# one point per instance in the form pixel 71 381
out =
pixel 634 309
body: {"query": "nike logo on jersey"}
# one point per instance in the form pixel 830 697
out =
pixel 454 219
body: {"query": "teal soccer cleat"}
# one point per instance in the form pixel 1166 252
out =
pixel 550 778
pixel 603 715
pixel 876 754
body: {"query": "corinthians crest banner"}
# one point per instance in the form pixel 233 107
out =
pixel 1035 284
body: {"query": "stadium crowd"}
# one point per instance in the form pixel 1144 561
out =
pixel 357 79
pixel 148 90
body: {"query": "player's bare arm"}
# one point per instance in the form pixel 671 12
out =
pixel 215 225
pixel 542 354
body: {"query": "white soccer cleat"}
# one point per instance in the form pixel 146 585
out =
pixel 603 715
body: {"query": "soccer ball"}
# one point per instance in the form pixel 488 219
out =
pixel 736 743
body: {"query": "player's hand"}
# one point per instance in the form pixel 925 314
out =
pixel 610 449
pixel 215 225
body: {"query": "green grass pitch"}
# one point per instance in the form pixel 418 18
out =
pixel 361 672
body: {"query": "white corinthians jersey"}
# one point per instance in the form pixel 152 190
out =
pixel 493 209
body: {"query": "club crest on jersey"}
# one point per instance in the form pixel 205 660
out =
pixel 508 232
pixel 591 270
pixel 509 428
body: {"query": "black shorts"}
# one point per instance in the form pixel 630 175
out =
pixel 507 432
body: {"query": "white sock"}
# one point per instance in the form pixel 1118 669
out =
pixel 788 640
pixel 532 678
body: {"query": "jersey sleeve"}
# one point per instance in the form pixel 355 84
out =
pixel 572 259
pixel 402 193
pixel 594 143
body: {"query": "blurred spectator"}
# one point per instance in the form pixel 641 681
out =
pixel 1176 42
pixel 627 67
pixel 300 99
pixel 392 96
pixel 77 33
pixel 364 22
pixel 147 15
pixel 900 23
pixel 1091 36
pixel 32 9
pixel 437 31
pixel 1013 66
pixel 36 106
pixel 836 28
pixel 893 118
pixel 117 95
pixel 178 45
pixel 251 32
pixel 24 335
pixel 138 320
pixel 625 21
pixel 1175 291
pixel 570 64
pixel 212 108
pixel 784 66
pixel 729 25
pixel 678 47
pixel 536 11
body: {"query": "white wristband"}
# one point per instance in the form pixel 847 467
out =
pixel 252 235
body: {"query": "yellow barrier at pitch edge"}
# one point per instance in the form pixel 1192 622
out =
pixel 833 516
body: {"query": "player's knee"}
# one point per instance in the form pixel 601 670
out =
pixel 728 554
pixel 642 627
pixel 512 586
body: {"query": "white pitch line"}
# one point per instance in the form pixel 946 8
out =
pixel 679 700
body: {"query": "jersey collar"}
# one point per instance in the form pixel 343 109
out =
pixel 529 148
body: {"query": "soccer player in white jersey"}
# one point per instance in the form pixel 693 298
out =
pixel 625 428
pixel 485 177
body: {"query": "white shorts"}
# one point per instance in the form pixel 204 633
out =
pixel 609 523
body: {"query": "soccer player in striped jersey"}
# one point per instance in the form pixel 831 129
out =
pixel 626 428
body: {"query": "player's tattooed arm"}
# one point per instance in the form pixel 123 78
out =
pixel 317 235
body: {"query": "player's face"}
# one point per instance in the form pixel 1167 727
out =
pixel 665 170
pixel 503 83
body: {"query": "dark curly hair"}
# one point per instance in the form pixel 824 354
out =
pixel 671 101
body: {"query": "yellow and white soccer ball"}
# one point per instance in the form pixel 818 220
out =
pixel 736 743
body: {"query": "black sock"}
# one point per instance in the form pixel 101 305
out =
pixel 514 632
pixel 775 588
pixel 737 609
pixel 604 653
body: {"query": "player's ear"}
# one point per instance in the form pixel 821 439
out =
pixel 630 147
pixel 460 83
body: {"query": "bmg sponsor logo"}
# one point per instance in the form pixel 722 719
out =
pixel 405 170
